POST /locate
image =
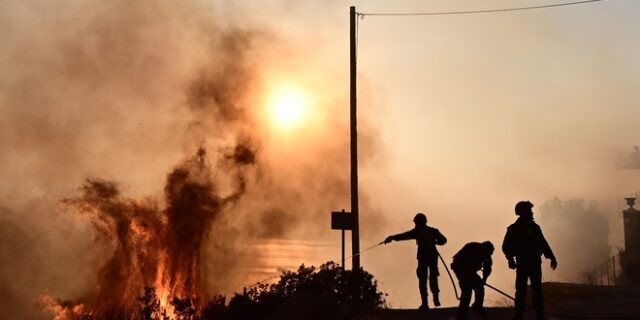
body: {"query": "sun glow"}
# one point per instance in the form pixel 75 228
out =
pixel 288 106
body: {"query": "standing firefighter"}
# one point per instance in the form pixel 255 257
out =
pixel 523 245
pixel 473 257
pixel 427 238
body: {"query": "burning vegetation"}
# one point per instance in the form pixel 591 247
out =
pixel 163 78
pixel 327 292
pixel 155 247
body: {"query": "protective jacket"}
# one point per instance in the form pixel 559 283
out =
pixel 473 257
pixel 524 241
pixel 427 238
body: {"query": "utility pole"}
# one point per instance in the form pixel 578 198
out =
pixel 355 233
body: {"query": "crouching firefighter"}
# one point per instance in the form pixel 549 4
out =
pixel 427 238
pixel 473 257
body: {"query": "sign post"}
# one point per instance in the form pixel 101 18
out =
pixel 341 220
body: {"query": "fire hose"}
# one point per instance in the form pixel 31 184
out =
pixel 453 283
pixel 559 315
pixel 455 290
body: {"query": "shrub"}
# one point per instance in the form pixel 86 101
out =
pixel 327 292
pixel 330 286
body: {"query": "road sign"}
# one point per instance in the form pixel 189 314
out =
pixel 341 220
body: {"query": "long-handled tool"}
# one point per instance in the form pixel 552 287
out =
pixel 560 315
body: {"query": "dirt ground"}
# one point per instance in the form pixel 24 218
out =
pixel 434 314
pixel 562 301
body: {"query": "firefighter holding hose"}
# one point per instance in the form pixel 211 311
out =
pixel 426 238
pixel 473 257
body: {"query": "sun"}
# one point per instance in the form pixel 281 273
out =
pixel 288 105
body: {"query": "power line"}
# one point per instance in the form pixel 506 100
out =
pixel 441 13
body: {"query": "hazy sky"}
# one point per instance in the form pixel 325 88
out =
pixel 460 116
pixel 477 112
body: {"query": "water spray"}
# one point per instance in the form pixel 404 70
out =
pixel 367 249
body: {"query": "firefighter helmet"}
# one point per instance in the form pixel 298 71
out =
pixel 420 218
pixel 523 207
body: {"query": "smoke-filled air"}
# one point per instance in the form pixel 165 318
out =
pixel 198 147
pixel 150 145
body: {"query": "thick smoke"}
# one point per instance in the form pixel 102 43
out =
pixel 477 112
pixel 18 248
pixel 579 233
pixel 115 94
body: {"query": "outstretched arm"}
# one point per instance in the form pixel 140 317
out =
pixel 411 234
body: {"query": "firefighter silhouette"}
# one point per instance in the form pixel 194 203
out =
pixel 426 238
pixel 523 245
pixel 473 257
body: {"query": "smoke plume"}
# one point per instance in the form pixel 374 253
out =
pixel 579 233
pixel 109 97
